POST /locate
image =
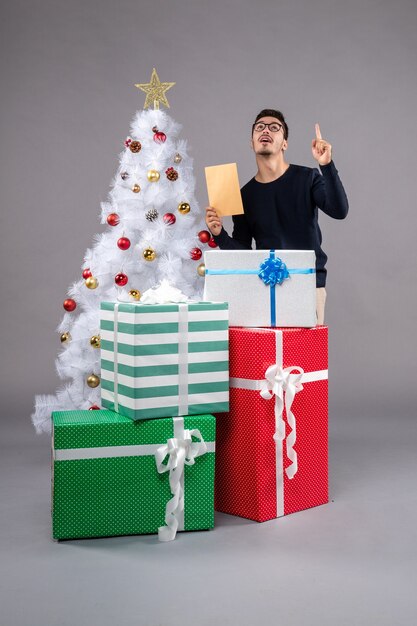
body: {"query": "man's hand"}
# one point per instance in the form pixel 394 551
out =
pixel 213 221
pixel 321 149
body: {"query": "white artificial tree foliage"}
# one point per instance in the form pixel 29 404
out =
pixel 172 244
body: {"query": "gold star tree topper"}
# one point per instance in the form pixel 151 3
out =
pixel 155 91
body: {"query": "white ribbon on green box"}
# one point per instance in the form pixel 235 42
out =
pixel 283 384
pixel 180 449
pixel 164 360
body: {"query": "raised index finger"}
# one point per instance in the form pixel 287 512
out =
pixel 318 133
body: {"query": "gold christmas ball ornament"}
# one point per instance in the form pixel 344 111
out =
pixel 93 381
pixel 177 158
pixel 201 269
pixel 65 337
pixel 149 254
pixel 153 176
pixel 91 282
pixel 95 341
pixel 184 208
pixel 135 294
pixel 136 188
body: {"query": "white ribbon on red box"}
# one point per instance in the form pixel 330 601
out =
pixel 284 384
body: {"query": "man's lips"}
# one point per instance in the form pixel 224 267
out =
pixel 265 139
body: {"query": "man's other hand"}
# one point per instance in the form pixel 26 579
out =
pixel 213 221
pixel 321 149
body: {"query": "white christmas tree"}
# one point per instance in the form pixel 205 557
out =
pixel 155 232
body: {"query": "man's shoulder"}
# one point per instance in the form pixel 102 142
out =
pixel 302 170
pixel 298 171
pixel 248 185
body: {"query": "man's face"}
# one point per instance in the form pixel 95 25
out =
pixel 265 141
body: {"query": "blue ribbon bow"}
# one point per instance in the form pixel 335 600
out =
pixel 273 271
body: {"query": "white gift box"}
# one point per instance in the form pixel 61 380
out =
pixel 263 287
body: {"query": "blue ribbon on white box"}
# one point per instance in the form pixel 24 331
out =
pixel 273 271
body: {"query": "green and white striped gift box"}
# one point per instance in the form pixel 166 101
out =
pixel 164 360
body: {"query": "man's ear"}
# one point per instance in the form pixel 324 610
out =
pixel 251 144
pixel 284 145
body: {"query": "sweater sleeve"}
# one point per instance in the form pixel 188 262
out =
pixel 328 192
pixel 241 238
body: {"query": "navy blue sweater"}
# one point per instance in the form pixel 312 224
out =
pixel 283 214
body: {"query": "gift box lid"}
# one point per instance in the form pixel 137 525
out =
pixel 250 259
pixel 103 428
pixel 253 350
pixel 137 307
pixel 156 319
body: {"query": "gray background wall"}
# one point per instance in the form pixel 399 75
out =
pixel 67 76
pixel 67 71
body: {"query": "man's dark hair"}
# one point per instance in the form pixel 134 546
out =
pixel 273 113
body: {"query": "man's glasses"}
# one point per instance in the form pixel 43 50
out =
pixel 274 127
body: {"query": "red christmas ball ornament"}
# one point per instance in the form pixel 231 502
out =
pixel 196 254
pixel 121 279
pixel 113 219
pixel 70 305
pixel 212 243
pixel 94 407
pixel 86 273
pixel 169 219
pixel 159 137
pixel 204 236
pixel 123 243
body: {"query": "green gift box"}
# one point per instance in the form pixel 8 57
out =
pixel 164 360
pixel 114 476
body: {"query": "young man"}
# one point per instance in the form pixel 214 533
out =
pixel 281 202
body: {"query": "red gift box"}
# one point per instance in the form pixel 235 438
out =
pixel 272 446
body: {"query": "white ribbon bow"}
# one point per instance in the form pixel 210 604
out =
pixel 283 384
pixel 180 451
pixel 163 294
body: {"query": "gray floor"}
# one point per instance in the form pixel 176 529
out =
pixel 351 562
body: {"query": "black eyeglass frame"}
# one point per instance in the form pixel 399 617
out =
pixel 264 125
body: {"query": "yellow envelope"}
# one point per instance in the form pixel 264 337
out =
pixel 223 189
